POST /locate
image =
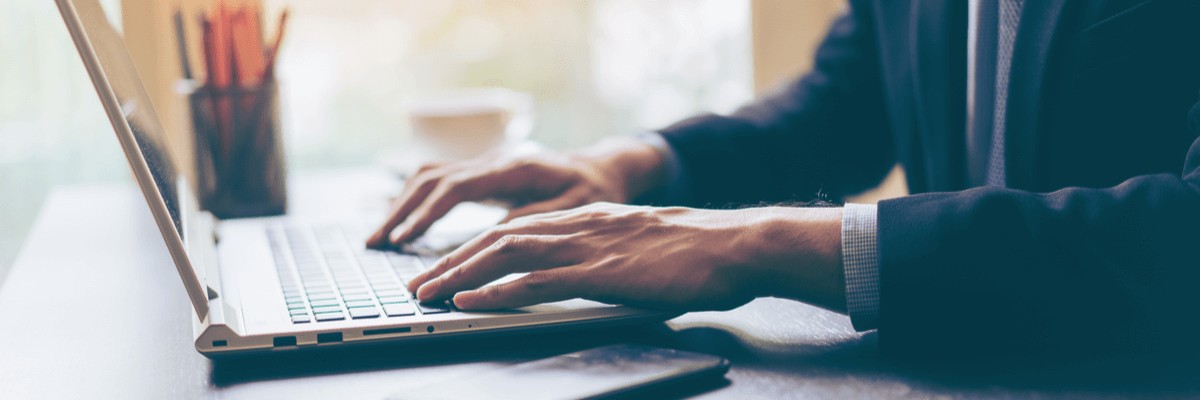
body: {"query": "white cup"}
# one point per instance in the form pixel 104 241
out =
pixel 465 123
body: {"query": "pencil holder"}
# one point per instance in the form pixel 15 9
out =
pixel 240 166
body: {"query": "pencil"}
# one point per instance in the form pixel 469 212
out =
pixel 185 63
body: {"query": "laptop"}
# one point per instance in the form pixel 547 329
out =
pixel 279 284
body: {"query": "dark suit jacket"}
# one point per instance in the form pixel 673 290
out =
pixel 1097 240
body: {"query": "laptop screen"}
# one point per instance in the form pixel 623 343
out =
pixel 141 134
pixel 135 105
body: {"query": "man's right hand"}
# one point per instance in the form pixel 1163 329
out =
pixel 612 172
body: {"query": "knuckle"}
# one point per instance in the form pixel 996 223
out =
pixel 439 265
pixel 593 206
pixel 638 215
pixel 540 282
pixel 424 181
pixel 429 166
pixel 447 191
pixel 517 223
pixel 580 201
pixel 453 275
pixel 454 182
pixel 524 164
pixel 495 233
pixel 522 220
pixel 492 292
pixel 510 244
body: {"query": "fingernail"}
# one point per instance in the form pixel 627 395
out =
pixel 459 303
pixel 399 234
pixel 426 291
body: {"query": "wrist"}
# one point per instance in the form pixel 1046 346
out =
pixel 633 167
pixel 799 252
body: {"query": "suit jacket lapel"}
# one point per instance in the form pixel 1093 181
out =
pixel 1035 38
pixel 940 57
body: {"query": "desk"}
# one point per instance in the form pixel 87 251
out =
pixel 106 317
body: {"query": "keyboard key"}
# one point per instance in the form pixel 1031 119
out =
pixel 359 313
pixel 433 308
pixel 399 310
pixel 386 284
pixel 327 309
pixel 324 303
pixel 356 297
pixel 330 317
pixel 302 311
pixel 393 299
pixel 360 303
pixel 300 319
pixel 323 296
pixel 296 306
pixel 391 293
pixel 376 279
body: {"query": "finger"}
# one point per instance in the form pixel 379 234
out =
pixel 536 288
pixel 429 166
pixel 572 198
pixel 456 257
pixel 412 196
pixel 476 245
pixel 443 198
pixel 511 254
pixel 583 212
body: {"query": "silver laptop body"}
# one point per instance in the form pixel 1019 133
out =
pixel 258 288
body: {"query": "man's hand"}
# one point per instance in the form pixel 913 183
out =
pixel 676 259
pixel 613 172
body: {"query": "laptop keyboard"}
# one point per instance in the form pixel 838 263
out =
pixel 326 277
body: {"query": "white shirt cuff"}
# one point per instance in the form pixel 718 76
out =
pixel 860 258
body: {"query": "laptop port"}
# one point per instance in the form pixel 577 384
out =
pixel 329 337
pixel 285 341
pixel 386 331
pixel 220 343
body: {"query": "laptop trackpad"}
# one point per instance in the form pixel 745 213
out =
pixel 461 224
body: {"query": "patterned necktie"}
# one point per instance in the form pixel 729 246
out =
pixel 1010 18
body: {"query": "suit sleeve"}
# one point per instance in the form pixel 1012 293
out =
pixel 999 270
pixel 823 135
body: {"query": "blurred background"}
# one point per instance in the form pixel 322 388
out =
pixel 347 70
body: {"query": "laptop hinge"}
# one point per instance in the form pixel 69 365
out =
pixel 203 252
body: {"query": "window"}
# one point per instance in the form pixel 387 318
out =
pixel 349 69
pixel 52 128
pixel 595 68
